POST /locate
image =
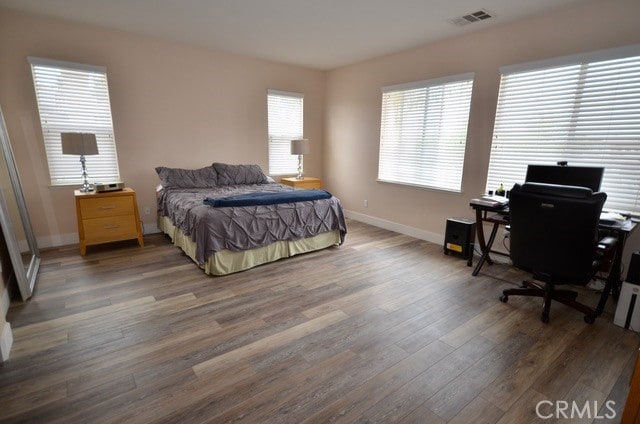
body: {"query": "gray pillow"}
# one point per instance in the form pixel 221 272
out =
pixel 239 174
pixel 187 178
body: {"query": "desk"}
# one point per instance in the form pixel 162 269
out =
pixel 500 216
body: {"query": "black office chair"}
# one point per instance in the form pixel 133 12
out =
pixel 553 235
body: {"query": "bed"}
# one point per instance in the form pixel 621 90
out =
pixel 224 240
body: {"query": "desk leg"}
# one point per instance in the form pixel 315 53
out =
pixel 486 250
pixel 617 264
pixel 612 285
pixel 480 233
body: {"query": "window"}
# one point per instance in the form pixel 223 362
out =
pixel 75 98
pixel 285 114
pixel 423 132
pixel 581 109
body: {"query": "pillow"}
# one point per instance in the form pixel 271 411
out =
pixel 239 174
pixel 187 178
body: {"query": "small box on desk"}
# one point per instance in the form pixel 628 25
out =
pixel 459 237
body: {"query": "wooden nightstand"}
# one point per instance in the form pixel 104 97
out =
pixel 106 217
pixel 306 182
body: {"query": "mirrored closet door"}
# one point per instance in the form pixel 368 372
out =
pixel 14 219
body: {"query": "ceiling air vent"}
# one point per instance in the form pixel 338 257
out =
pixel 478 16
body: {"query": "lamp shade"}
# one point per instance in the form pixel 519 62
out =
pixel 79 144
pixel 300 147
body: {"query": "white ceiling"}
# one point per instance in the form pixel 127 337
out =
pixel 320 34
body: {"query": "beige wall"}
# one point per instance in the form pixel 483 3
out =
pixel 172 104
pixel 353 102
pixel 185 106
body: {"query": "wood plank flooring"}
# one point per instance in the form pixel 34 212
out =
pixel 385 328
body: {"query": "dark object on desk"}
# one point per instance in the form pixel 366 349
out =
pixel 459 238
pixel 553 229
pixel 581 176
pixel 633 276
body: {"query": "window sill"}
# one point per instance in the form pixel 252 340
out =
pixel 421 186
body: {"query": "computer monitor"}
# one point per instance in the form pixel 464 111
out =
pixel 582 176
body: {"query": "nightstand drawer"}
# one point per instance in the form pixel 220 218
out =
pixel 106 206
pixel 308 184
pixel 110 228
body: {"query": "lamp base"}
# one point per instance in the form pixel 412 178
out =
pixel 86 187
pixel 299 176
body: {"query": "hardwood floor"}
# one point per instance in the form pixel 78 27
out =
pixel 382 329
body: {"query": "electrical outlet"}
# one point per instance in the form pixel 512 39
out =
pixel 147 210
pixel 365 203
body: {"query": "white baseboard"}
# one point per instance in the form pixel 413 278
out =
pixel 72 238
pixel 5 301
pixel 59 240
pixel 150 228
pixel 414 232
pixel 394 226
pixel 6 341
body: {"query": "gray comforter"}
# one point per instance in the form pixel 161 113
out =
pixel 246 227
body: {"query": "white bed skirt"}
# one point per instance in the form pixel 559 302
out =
pixel 227 262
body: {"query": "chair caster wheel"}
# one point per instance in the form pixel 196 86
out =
pixel 589 319
pixel 544 318
pixel 504 298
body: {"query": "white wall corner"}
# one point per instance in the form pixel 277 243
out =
pixel 394 226
pixel 6 341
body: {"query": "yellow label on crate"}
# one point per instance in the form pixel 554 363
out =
pixel 454 247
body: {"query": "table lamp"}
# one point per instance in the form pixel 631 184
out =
pixel 300 147
pixel 82 144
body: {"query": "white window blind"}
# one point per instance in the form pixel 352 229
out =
pixel 75 98
pixel 285 115
pixel 423 132
pixel 582 109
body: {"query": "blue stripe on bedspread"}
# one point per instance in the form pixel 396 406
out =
pixel 264 198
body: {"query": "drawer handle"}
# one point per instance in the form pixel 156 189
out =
pixel 108 207
pixel 111 227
